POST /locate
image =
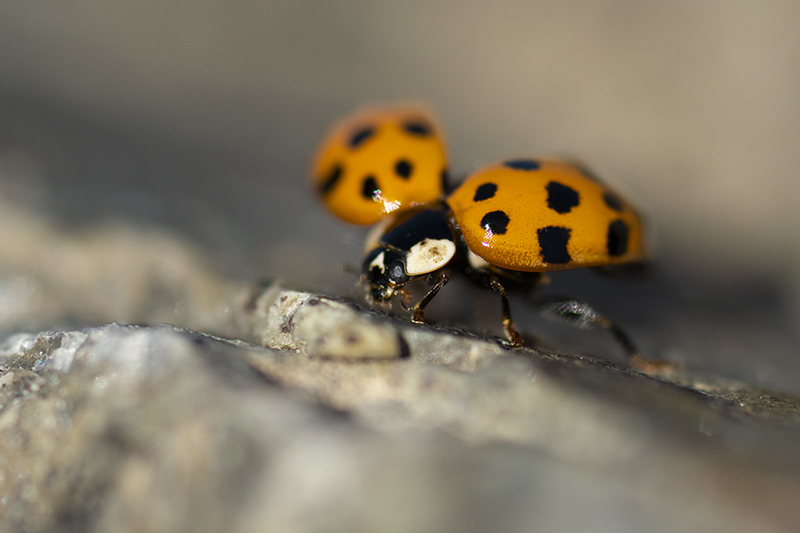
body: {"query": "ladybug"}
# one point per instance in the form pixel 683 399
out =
pixel 506 225
pixel 378 161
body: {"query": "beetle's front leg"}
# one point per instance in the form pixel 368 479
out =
pixel 419 310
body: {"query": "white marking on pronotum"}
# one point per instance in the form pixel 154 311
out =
pixel 477 262
pixel 378 262
pixel 429 255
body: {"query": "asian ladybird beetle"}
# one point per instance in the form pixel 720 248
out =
pixel 507 223
pixel 511 220
pixel 378 161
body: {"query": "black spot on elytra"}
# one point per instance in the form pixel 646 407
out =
pixel 417 127
pixel 358 138
pixel 561 198
pixel 484 192
pixel 331 179
pixel 370 188
pixel 522 164
pixel 403 169
pixel 495 222
pixel 612 201
pixel 553 242
pixel 445 180
pixel 617 239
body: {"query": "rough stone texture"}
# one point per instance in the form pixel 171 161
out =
pixel 264 407
pixel 318 326
pixel 51 276
pixel 123 428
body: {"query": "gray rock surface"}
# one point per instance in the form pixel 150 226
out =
pixel 133 428
pixel 122 428
pixel 264 407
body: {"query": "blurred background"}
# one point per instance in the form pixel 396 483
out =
pixel 201 117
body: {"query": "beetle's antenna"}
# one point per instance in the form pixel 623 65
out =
pixel 347 268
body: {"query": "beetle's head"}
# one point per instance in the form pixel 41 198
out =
pixel 384 272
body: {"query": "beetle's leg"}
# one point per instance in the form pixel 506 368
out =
pixel 508 325
pixel 405 298
pixel 419 309
pixel 582 315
